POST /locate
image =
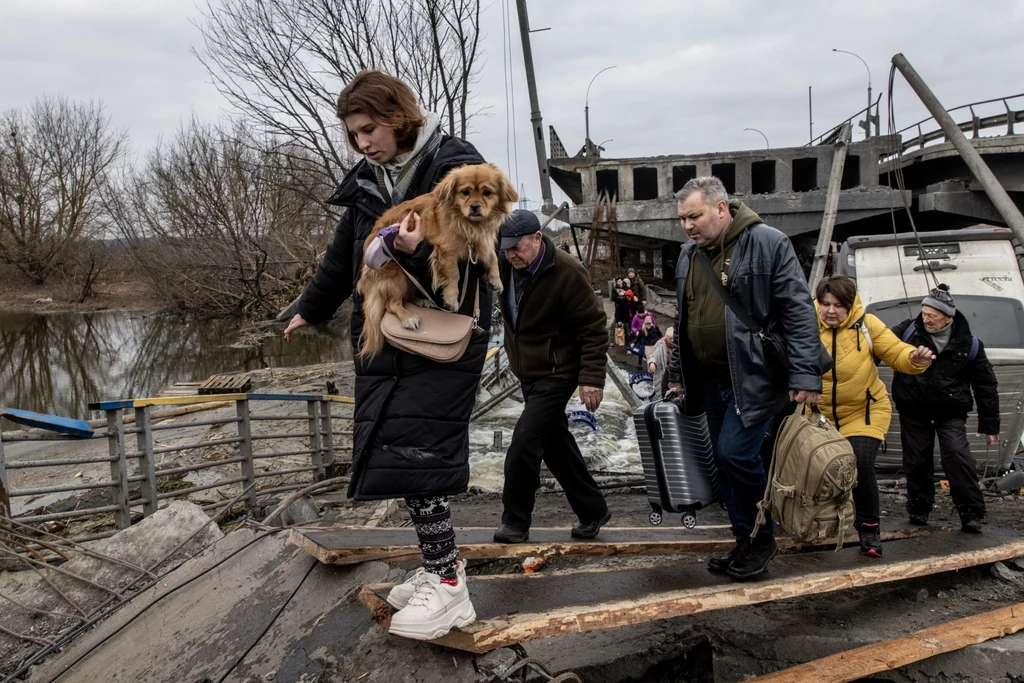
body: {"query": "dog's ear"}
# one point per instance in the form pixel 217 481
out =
pixel 447 188
pixel 506 189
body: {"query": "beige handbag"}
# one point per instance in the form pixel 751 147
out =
pixel 442 335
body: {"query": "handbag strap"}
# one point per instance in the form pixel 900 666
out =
pixel 429 297
pixel 724 294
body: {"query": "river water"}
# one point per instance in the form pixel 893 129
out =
pixel 58 363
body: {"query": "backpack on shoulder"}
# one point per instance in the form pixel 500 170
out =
pixel 811 480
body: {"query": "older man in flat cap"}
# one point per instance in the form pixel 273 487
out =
pixel 556 339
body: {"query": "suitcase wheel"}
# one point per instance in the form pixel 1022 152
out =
pixel 655 518
pixel 689 520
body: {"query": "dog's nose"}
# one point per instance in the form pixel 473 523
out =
pixel 475 208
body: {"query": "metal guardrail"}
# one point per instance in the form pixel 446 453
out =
pixel 133 461
pixel 832 134
pixel 974 126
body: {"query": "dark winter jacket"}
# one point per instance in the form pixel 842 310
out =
pixel 765 278
pixel 560 330
pixel 944 389
pixel 410 426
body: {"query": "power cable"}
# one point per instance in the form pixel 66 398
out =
pixel 272 621
pixel 504 66
pixel 512 89
pixel 901 183
pixel 142 611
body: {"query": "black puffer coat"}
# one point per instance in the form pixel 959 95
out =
pixel 411 425
pixel 944 390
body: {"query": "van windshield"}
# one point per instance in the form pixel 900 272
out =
pixel 996 321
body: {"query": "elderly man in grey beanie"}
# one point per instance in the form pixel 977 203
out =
pixel 936 403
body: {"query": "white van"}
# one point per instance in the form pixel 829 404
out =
pixel 982 267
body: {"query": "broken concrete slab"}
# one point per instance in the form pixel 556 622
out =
pixel 137 548
pixel 303 510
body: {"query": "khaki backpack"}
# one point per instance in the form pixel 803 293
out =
pixel 811 480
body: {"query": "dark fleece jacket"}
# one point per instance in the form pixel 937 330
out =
pixel 560 330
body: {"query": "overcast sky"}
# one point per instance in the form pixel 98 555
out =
pixel 689 75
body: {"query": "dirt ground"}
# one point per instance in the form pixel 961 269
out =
pixel 116 289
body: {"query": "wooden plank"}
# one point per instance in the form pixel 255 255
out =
pixel 852 665
pixel 511 611
pixel 352 545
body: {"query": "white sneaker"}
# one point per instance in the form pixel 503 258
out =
pixel 434 609
pixel 400 594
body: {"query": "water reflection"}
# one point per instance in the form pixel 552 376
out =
pixel 59 363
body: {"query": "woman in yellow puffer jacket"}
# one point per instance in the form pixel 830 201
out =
pixel 853 396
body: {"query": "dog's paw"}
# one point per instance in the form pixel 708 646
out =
pixel 412 322
pixel 496 285
pixel 451 298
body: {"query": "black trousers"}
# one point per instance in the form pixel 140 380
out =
pixel 865 496
pixel 542 434
pixel 918 439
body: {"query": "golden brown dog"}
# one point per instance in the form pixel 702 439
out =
pixel 460 218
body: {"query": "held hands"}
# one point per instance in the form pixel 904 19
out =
pixel 591 397
pixel 295 323
pixel 992 439
pixel 410 234
pixel 811 398
pixel 922 355
pixel 677 387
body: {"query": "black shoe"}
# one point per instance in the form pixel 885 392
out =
pixel 719 564
pixel 590 529
pixel 971 526
pixel 507 534
pixel 919 519
pixel 753 560
pixel 870 540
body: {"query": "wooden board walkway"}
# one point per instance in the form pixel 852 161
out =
pixel 516 608
pixel 352 545
pixel 861 662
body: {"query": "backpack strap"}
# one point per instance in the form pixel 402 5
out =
pixel 909 332
pixel 973 353
pixel 859 325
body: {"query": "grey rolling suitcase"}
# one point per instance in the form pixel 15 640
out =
pixel 678 461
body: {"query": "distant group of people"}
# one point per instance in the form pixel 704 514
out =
pixel 411 418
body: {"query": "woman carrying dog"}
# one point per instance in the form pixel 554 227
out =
pixel 853 396
pixel 411 419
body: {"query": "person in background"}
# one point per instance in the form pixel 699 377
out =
pixel 719 364
pixel 639 288
pixel 645 334
pixel 853 396
pixel 936 403
pixel 657 361
pixel 411 418
pixel 556 341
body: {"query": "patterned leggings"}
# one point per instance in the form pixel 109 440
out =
pixel 432 517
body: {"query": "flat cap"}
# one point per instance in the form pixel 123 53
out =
pixel 520 223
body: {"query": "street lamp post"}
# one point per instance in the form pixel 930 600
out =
pixel 867 116
pixel 586 110
pixel 766 145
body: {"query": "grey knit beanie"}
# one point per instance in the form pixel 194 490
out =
pixel 941 300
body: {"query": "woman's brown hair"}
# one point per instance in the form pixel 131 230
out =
pixel 386 100
pixel 839 286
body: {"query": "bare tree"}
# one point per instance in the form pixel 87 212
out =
pixel 281 63
pixel 55 158
pixel 215 221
